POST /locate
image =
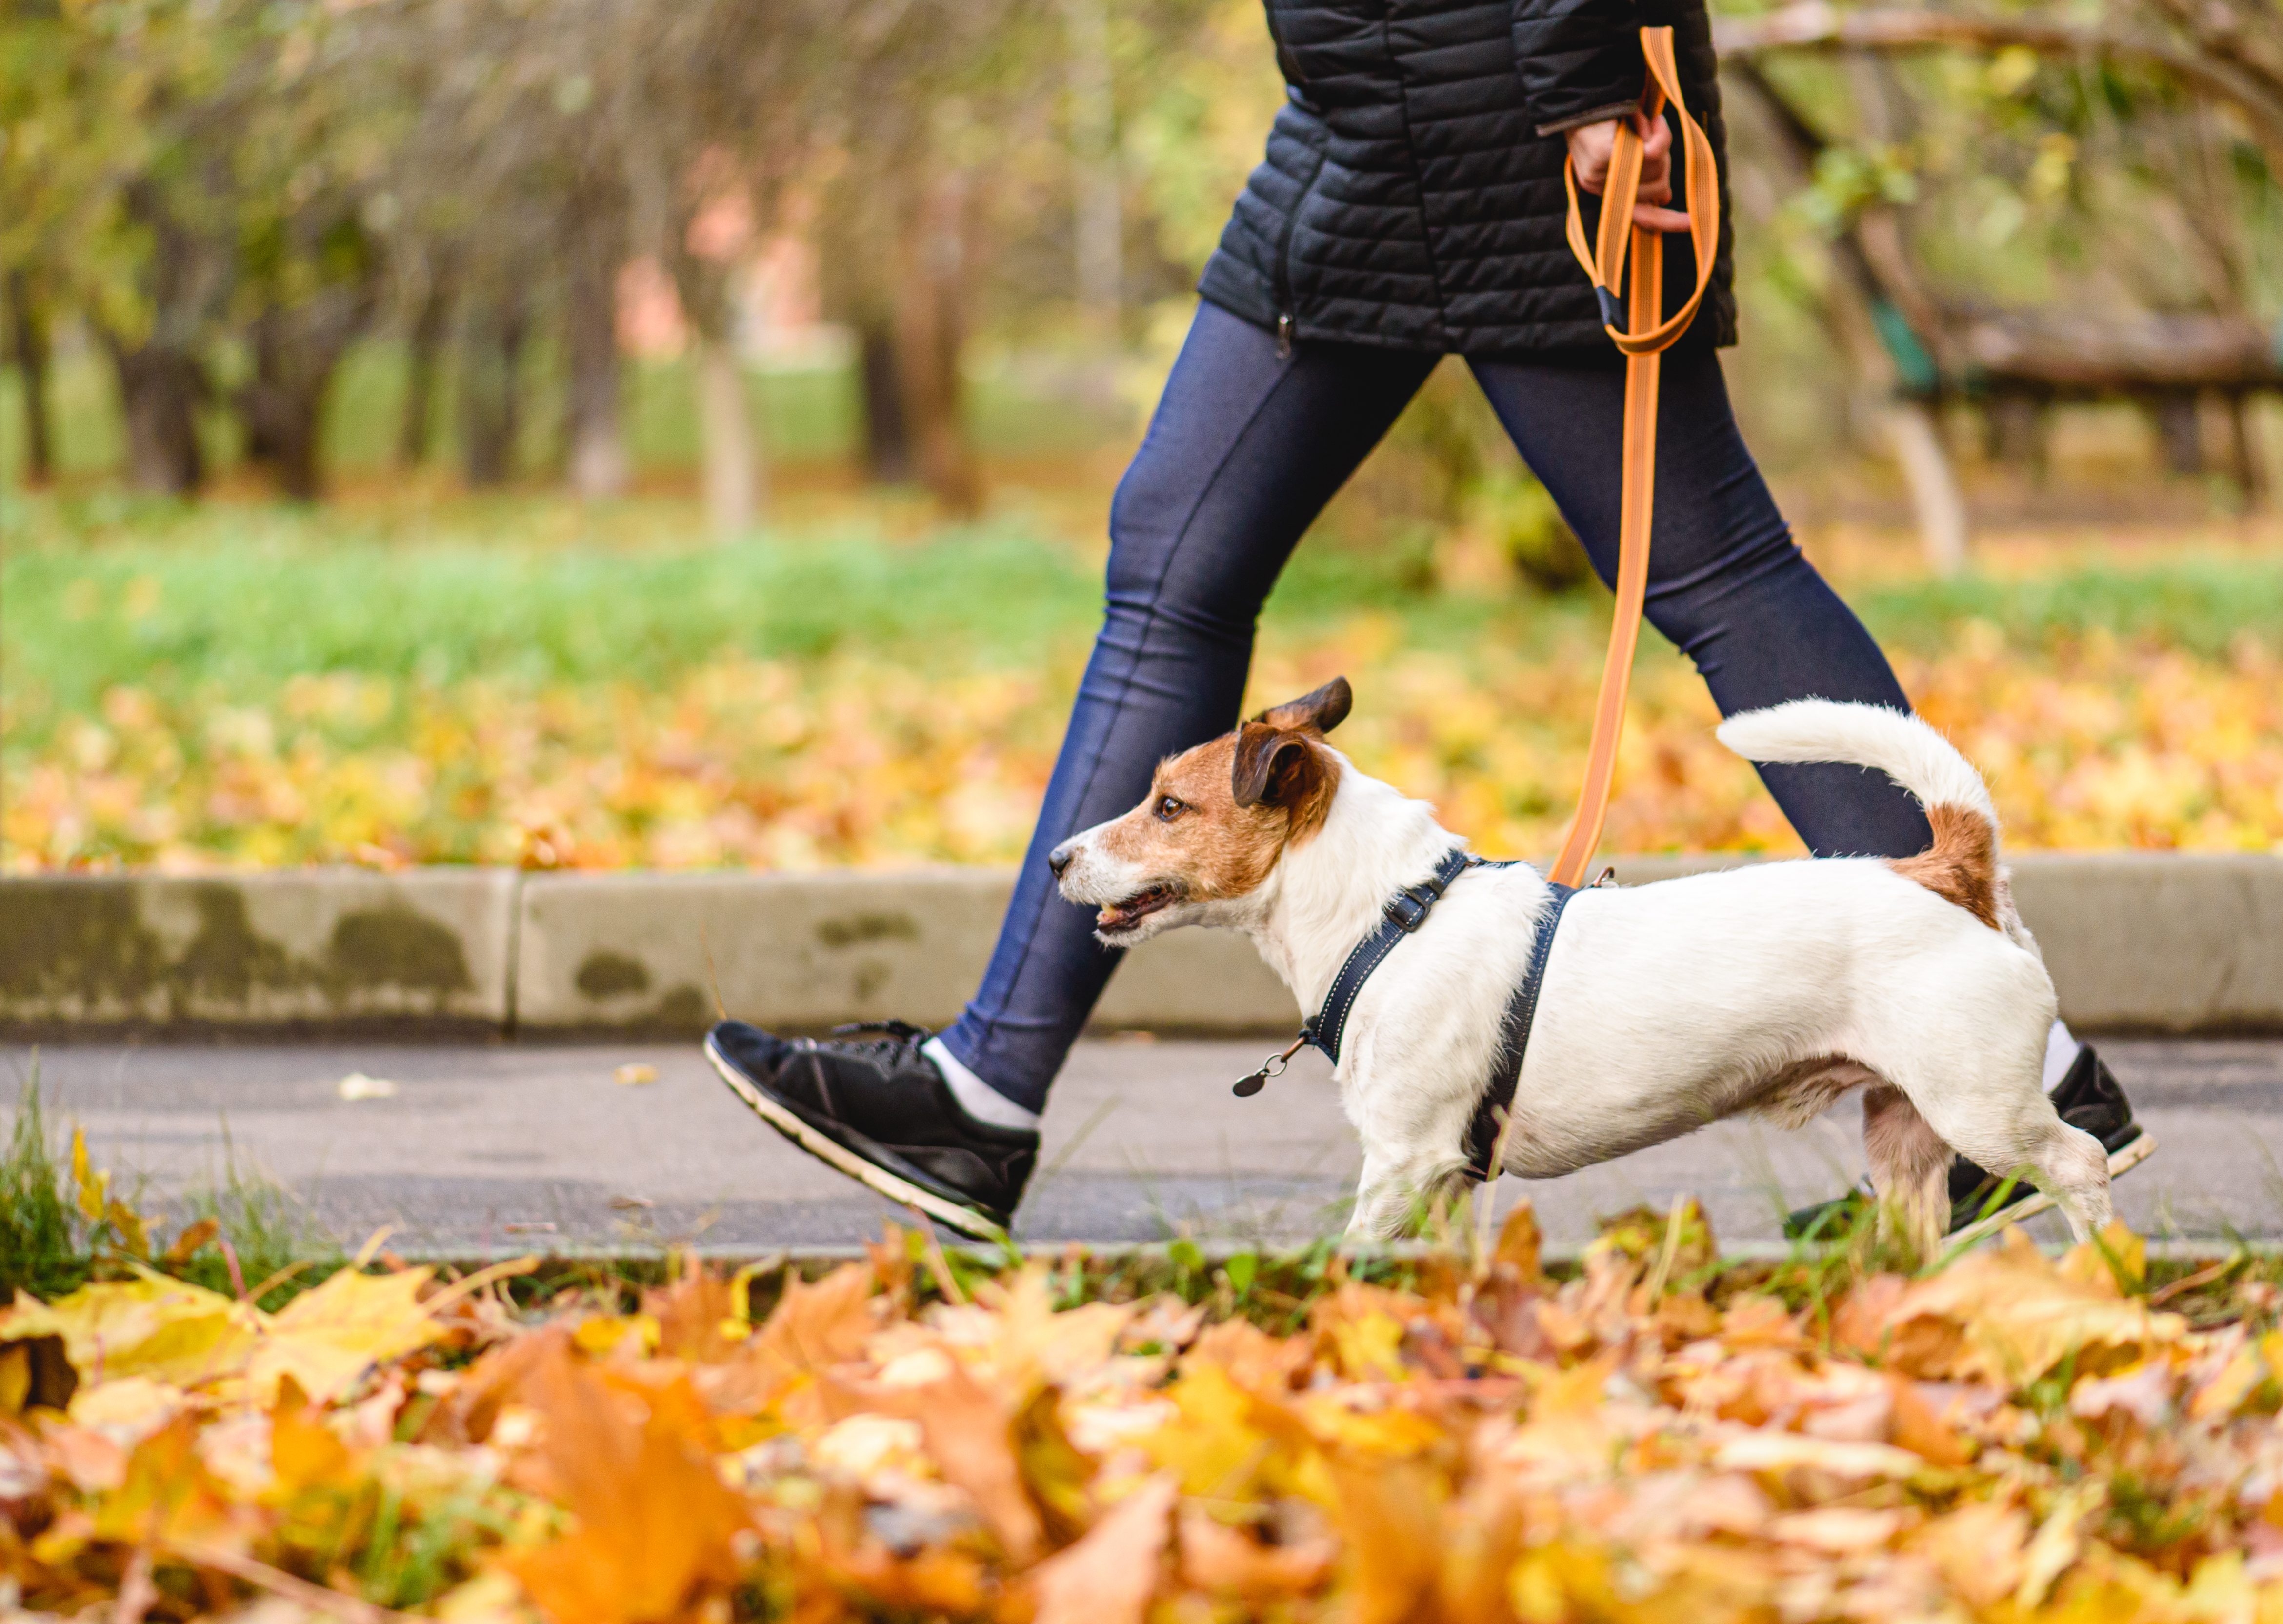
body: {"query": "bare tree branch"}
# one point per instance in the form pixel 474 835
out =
pixel 1817 25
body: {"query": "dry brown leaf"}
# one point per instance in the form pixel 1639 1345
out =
pixel 971 1435
pixel 814 1327
pixel 1518 1245
pixel 1109 1576
pixel 1918 1427
pixel 2009 1317
pixel 1221 1561
pixel 1252 1358
pixel 1977 1548
pixel 693 1317
pixel 655 1522
pixel 1388 1513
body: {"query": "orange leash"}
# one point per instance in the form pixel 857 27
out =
pixel 1643 341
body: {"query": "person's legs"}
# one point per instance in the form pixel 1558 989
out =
pixel 1726 583
pixel 1243 452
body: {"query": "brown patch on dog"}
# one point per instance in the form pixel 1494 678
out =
pixel 1961 866
pixel 1272 767
pixel 1212 847
pixel 1242 799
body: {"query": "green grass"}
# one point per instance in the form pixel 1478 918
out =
pixel 239 599
pixel 2200 604
pixel 262 1241
pixel 230 600
pixel 41 1246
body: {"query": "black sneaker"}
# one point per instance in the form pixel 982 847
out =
pixel 876 1109
pixel 2088 1096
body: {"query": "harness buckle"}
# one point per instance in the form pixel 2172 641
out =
pixel 1408 908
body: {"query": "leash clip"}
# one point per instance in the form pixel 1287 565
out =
pixel 1274 1066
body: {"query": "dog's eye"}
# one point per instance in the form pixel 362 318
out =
pixel 1169 809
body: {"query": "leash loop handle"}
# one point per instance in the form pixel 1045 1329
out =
pixel 1604 261
pixel 1643 338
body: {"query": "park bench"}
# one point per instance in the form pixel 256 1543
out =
pixel 2017 365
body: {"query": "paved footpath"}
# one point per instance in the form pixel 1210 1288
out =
pixel 485 1150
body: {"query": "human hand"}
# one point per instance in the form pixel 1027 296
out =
pixel 1590 146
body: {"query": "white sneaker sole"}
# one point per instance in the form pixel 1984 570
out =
pixel 842 1159
pixel 2120 1162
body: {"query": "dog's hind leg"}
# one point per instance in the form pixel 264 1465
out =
pixel 2013 1131
pixel 1910 1167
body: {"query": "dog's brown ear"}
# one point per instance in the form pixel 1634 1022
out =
pixel 1274 766
pixel 1322 710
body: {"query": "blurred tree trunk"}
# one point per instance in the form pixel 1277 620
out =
pixel 733 477
pixel 930 334
pixel 160 388
pixel 1099 238
pixel 2243 458
pixel 432 324
pixel 280 406
pixel 888 458
pixel 161 382
pixel 28 346
pixel 596 241
pixel 491 365
pixel 2179 430
pixel 297 349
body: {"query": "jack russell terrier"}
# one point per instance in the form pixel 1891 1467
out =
pixel 1775 989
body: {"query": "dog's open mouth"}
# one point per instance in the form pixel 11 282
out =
pixel 1125 915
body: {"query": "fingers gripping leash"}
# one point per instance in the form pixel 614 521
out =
pixel 1643 339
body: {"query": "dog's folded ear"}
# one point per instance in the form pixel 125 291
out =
pixel 1322 710
pixel 1276 766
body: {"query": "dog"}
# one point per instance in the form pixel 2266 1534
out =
pixel 1776 989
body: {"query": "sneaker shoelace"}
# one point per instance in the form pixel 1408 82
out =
pixel 897 1036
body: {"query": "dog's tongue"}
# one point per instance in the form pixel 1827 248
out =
pixel 1119 916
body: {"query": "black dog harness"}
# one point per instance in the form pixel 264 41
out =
pixel 1404 912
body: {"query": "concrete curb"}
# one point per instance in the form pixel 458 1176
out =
pixel 2137 941
pixel 429 952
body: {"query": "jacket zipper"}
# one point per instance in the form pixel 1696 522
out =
pixel 1285 318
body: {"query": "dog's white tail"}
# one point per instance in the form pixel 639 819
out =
pixel 1962 865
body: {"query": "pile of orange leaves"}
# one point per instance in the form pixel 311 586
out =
pixel 2008 1437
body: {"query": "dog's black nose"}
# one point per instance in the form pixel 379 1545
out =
pixel 1059 859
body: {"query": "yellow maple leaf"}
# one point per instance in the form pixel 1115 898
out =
pixel 327 1338
pixel 170 1332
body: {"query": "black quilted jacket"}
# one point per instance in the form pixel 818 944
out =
pixel 1412 195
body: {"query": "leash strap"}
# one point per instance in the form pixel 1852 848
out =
pixel 1404 912
pixel 1643 341
pixel 1497 1102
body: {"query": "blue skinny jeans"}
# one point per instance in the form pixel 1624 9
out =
pixel 1245 450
